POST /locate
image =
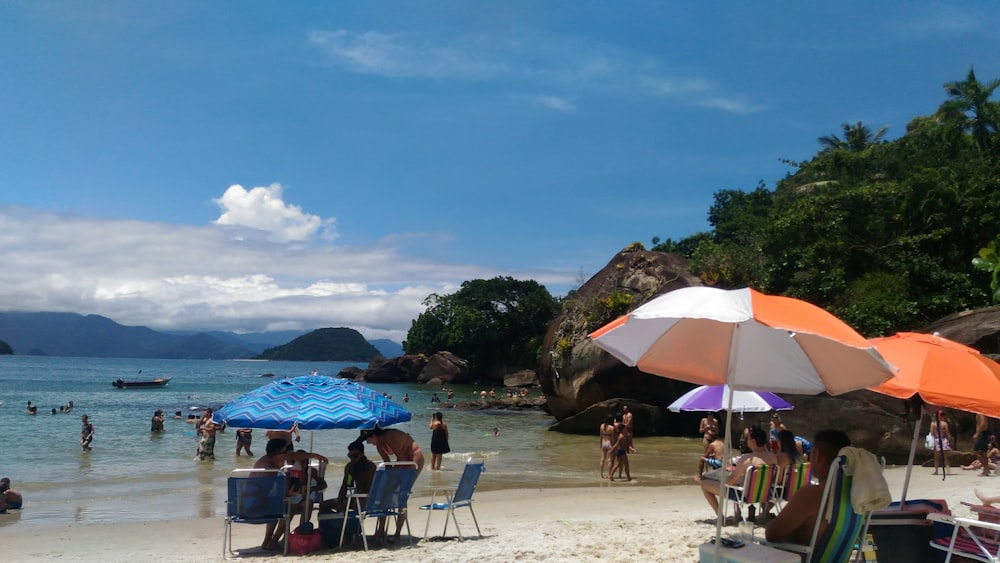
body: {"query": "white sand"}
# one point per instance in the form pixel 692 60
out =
pixel 614 522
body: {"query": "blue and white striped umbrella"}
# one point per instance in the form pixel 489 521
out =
pixel 314 402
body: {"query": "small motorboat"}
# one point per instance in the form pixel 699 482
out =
pixel 158 382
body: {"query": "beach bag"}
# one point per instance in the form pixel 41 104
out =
pixel 301 543
pixel 929 442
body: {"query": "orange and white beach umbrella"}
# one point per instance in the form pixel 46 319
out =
pixel 745 339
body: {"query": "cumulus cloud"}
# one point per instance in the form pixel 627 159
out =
pixel 263 208
pixel 224 275
pixel 524 60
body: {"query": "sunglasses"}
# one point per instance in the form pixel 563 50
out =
pixel 353 456
pixel 726 542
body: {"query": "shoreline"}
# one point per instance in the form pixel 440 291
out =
pixel 621 521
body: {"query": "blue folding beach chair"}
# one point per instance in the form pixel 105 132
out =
pixel 255 496
pixel 389 493
pixel 457 497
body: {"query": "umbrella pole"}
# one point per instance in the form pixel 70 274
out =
pixel 727 448
pixel 913 453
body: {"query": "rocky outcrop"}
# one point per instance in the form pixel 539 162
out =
pixel 522 378
pixel 350 372
pixel 582 382
pixel 646 419
pixel 403 369
pixel 977 328
pixel 574 373
pixel 443 368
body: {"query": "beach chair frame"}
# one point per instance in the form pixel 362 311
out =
pixel 459 496
pixel 756 489
pixel 255 496
pixel 840 539
pixel 388 496
pixel 967 539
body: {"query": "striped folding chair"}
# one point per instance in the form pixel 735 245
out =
pixel 756 490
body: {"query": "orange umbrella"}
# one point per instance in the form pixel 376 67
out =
pixel 943 372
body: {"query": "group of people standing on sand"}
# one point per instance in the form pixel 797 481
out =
pixel 616 434
pixel 941 440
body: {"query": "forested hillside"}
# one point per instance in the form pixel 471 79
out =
pixel 881 233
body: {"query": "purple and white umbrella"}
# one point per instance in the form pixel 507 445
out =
pixel 716 398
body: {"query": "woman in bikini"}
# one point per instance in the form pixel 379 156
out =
pixel 607 433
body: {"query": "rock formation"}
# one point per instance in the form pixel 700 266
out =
pixel 583 383
pixel 574 373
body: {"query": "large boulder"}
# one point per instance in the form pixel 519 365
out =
pixel 574 373
pixel 444 368
pixel 646 419
pixel 522 378
pixel 578 378
pixel 977 328
pixel 403 369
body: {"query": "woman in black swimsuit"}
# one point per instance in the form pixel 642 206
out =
pixel 439 440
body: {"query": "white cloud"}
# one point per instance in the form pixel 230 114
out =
pixel 222 276
pixel 556 103
pixel 525 60
pixel 262 208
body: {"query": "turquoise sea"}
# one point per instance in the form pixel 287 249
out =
pixel 132 474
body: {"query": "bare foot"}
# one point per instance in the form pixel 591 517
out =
pixel 987 501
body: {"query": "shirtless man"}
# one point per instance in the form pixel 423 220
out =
pixel 709 426
pixel 981 446
pixel 795 522
pixel 712 459
pixel 619 451
pixel 400 444
pixel 9 498
pixel 759 454
pixel 358 473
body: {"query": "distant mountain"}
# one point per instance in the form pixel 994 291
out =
pixel 93 336
pixel 387 348
pixel 71 334
pixel 324 345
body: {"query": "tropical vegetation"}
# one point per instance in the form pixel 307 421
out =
pixel 496 324
pixel 882 233
pixel 888 235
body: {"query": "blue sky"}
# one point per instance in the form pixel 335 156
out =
pixel 292 165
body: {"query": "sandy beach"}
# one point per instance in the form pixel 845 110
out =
pixel 614 522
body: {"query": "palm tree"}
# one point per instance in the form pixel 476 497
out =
pixel 970 108
pixel 857 138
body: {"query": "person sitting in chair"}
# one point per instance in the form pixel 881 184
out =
pixel 795 522
pixel 358 473
pixel 713 483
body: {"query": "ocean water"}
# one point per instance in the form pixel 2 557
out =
pixel 133 474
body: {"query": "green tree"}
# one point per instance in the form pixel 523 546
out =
pixel 989 261
pixel 970 108
pixel 496 324
pixel 857 137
